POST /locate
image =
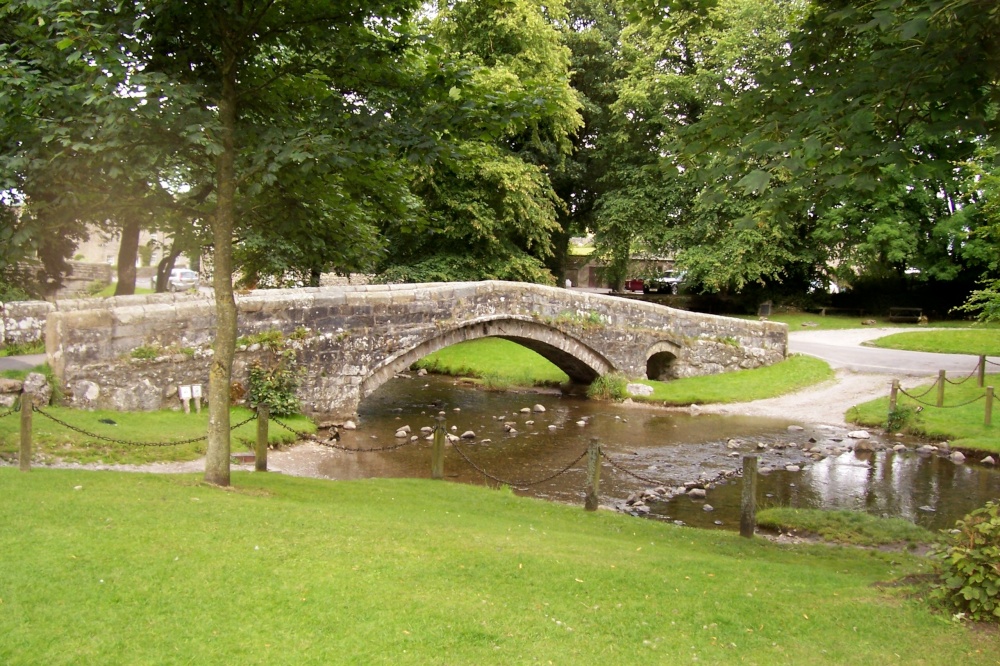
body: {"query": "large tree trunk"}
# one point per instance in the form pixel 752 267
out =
pixel 220 372
pixel 128 252
pixel 165 266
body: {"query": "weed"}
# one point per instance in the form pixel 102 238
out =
pixel 970 576
pixel 900 419
pixel 23 348
pixel 612 386
pixel 146 352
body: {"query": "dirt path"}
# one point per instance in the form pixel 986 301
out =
pixel 824 403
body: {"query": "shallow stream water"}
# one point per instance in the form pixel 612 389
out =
pixel 667 448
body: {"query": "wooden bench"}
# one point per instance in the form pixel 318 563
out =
pixel 909 315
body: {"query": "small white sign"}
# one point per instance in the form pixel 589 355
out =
pixel 196 390
pixel 185 392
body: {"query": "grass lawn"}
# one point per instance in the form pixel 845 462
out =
pixel 794 373
pixel 496 357
pixel 969 341
pixel 815 321
pixel 116 568
pixel 962 426
pixel 110 291
pixel 56 441
pixel 519 366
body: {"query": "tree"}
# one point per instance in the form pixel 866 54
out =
pixel 489 209
pixel 247 94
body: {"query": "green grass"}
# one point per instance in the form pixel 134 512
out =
pixel 970 341
pixel 503 361
pixel 23 348
pixel 114 568
pixel 110 291
pixel 793 374
pixel 846 527
pixel 56 441
pixel 962 426
pixel 814 321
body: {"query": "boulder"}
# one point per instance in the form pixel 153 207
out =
pixel 639 389
pixel 697 493
pixel 38 386
pixel 350 425
pixel 538 408
pixel 988 460
pixel 468 434
pixel 957 457
pixel 10 385
pixel 859 434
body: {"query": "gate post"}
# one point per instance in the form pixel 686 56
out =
pixel 437 450
pixel 27 407
pixel 593 488
pixel 260 450
pixel 748 499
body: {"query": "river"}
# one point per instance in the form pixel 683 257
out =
pixel 667 448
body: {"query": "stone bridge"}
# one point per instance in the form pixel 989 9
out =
pixel 132 353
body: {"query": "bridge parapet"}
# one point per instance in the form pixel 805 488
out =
pixel 351 339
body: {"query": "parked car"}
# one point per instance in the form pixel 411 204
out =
pixel 635 284
pixel 668 283
pixel 182 279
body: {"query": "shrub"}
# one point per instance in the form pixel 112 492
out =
pixel 146 352
pixel 970 576
pixel 275 385
pixel 900 418
pixel 494 381
pixel 609 387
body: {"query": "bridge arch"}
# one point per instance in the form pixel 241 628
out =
pixel 660 359
pixel 580 361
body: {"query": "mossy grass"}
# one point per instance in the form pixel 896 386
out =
pixel 793 374
pixel 139 569
pixel 974 341
pixel 847 527
pixel 56 441
pixel 963 426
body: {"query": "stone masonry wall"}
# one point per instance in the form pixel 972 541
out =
pixel 351 339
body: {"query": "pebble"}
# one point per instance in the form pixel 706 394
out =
pixel 957 457
pixel 708 507
pixel 350 425
pixel 468 434
pixel 859 434
pixel 988 460
pixel 696 493
pixel 538 408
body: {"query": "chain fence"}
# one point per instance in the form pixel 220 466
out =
pixel 991 362
pixel 974 373
pixel 621 469
pixel 126 442
pixel 920 395
pixel 930 404
pixel 10 411
pixel 518 484
pixel 331 443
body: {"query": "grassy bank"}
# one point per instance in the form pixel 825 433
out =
pixel 969 341
pixel 57 441
pixel 846 527
pixel 960 423
pixel 137 569
pixel 792 374
pixel 502 361
pixel 804 321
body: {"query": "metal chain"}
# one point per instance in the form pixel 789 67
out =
pixel 112 439
pixel 928 404
pixel 515 484
pixel 8 412
pixel 330 444
pixel 991 362
pixel 972 374
pixel 630 473
pixel 931 388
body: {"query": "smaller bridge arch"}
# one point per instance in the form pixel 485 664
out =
pixel 579 361
pixel 660 359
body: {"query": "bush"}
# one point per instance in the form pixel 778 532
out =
pixel 275 386
pixel 609 387
pixel 970 576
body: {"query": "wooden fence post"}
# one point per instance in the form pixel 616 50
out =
pixel 893 395
pixel 748 499
pixel 27 407
pixel 940 388
pixel 260 450
pixel 989 406
pixel 437 450
pixel 593 488
pixel 982 370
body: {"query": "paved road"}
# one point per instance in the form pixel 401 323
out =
pixel 21 362
pixel 842 349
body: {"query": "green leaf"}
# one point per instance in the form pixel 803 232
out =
pixel 755 182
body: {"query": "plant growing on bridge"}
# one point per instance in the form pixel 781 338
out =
pixel 274 385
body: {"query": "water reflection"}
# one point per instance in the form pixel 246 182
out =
pixel 662 447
